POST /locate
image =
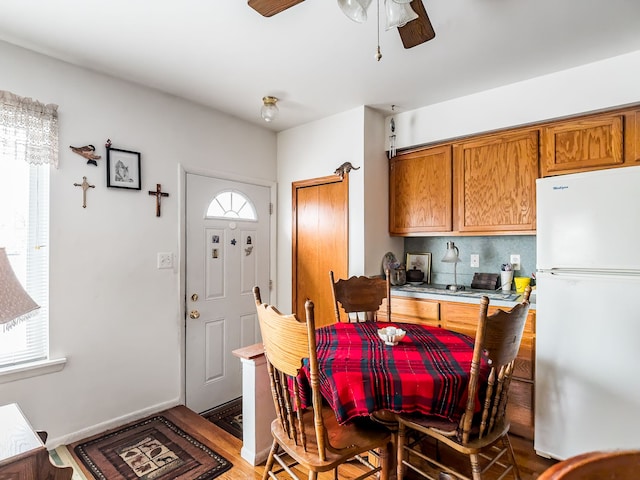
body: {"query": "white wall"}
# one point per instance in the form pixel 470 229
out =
pixel 595 86
pixel 316 150
pixel 113 314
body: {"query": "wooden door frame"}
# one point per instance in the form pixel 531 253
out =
pixel 295 186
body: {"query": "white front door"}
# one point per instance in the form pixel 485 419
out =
pixel 227 254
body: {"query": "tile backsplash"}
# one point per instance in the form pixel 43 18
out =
pixel 493 252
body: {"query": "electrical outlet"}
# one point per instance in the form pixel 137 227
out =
pixel 475 260
pixel 165 260
pixel 515 261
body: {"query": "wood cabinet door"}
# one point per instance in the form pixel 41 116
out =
pixel 413 310
pixel 584 144
pixel 495 183
pixel 420 192
pixel 632 138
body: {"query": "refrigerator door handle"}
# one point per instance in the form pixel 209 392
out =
pixel 591 272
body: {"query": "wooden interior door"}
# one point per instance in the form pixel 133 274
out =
pixel 320 241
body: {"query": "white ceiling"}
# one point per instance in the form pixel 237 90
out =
pixel 223 54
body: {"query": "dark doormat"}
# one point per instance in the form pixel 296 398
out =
pixel 227 416
pixel 152 449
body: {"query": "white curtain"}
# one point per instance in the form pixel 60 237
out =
pixel 28 130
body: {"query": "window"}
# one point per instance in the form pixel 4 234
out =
pixel 28 145
pixel 231 204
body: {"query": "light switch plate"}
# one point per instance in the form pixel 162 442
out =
pixel 475 260
pixel 165 260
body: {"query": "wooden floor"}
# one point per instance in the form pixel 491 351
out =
pixel 228 446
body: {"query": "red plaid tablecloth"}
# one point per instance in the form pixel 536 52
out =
pixel 427 372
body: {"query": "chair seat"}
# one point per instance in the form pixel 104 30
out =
pixel 352 439
pixel 445 431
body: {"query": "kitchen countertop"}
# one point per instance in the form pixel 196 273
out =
pixel 432 291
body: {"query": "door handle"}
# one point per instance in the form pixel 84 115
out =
pixel 195 314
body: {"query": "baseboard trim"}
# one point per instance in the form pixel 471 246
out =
pixel 108 425
pixel 254 458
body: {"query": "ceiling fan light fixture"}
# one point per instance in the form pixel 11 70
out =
pixel 356 10
pixel 269 110
pixel 398 14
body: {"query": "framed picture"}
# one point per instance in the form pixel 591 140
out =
pixel 421 261
pixel 123 169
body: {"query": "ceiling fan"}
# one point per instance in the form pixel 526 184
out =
pixel 413 33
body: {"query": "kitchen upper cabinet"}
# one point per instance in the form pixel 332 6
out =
pixel 485 185
pixel 495 183
pixel 420 190
pixel 589 143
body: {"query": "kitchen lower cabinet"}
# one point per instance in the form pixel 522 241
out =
pixel 463 318
pixel 412 310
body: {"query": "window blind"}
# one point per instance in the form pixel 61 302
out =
pixel 24 231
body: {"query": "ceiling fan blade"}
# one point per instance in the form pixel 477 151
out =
pixel 268 8
pixel 419 30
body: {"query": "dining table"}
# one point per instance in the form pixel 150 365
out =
pixel 426 372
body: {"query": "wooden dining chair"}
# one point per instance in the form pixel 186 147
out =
pixel 481 436
pixel 618 465
pixel 310 437
pixel 360 297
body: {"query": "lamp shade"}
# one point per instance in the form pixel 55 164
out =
pixel 269 110
pixel 452 254
pixel 15 303
pixel 356 10
pixel 398 14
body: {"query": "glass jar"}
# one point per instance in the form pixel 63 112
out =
pixel 398 276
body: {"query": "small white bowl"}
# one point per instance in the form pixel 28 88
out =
pixel 391 335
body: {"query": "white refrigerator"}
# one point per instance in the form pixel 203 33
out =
pixel 587 372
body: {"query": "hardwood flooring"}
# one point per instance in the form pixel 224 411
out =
pixel 530 464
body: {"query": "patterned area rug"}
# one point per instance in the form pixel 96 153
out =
pixel 227 416
pixel 152 449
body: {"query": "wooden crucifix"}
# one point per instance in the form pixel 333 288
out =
pixel 85 186
pixel 158 194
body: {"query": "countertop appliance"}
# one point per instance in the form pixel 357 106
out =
pixel 587 373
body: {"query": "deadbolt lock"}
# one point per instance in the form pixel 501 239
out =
pixel 194 297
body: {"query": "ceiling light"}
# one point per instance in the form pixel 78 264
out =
pixel 399 13
pixel 356 10
pixel 269 110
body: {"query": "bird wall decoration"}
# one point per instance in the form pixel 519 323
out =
pixel 87 152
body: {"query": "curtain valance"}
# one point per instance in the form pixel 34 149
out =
pixel 28 129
